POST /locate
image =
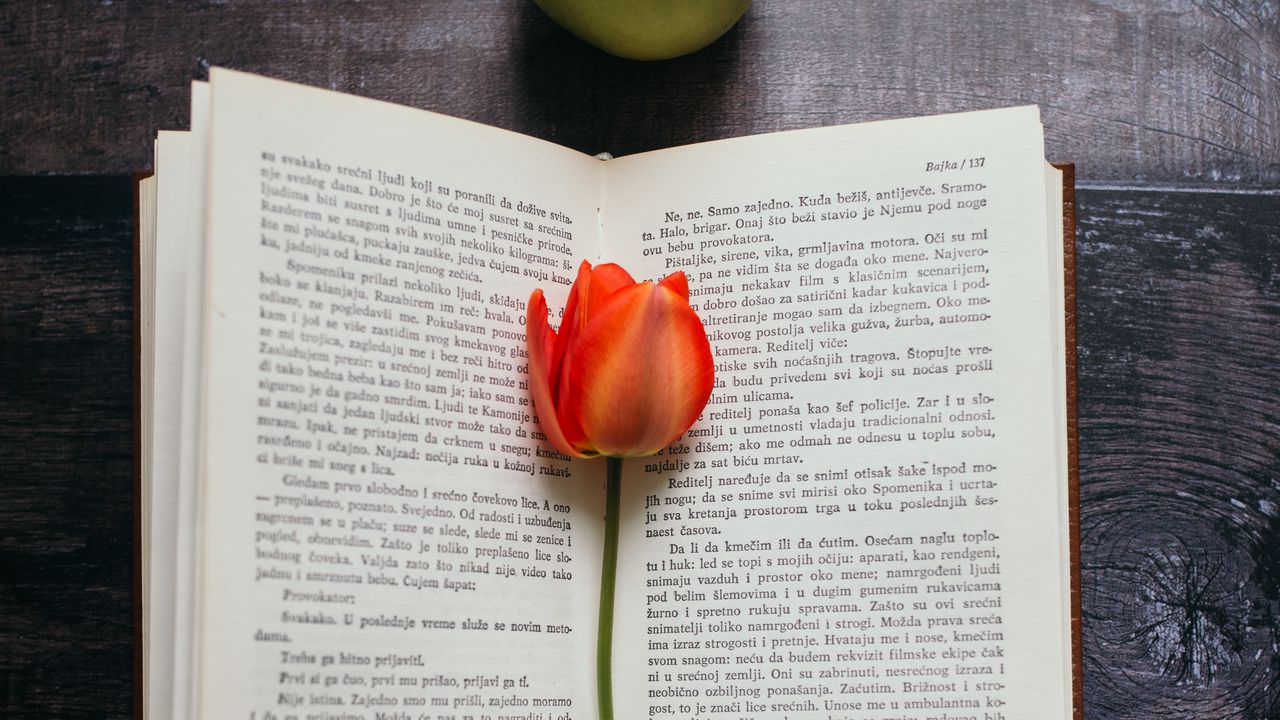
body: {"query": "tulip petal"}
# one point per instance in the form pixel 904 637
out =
pixel 570 325
pixel 589 291
pixel 570 322
pixel 641 373
pixel 542 340
pixel 607 279
pixel 677 282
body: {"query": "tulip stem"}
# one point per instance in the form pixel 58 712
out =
pixel 608 578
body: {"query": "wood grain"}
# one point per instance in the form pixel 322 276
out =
pixel 1180 91
pixel 1179 305
pixel 66 459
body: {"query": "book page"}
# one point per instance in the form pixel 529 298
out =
pixel 165 405
pixel 187 520
pixel 866 520
pixel 385 530
pixel 146 242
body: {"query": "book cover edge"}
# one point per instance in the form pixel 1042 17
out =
pixel 1073 433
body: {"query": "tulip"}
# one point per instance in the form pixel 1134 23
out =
pixel 628 373
pixel 630 369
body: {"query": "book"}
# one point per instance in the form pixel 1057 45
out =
pixel 350 511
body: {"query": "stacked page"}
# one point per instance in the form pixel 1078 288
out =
pixel 352 513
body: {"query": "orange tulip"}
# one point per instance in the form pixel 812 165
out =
pixel 630 369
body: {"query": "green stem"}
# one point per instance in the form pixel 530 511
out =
pixel 608 578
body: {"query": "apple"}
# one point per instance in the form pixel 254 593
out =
pixel 646 29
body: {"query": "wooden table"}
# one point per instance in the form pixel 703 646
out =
pixel 1171 112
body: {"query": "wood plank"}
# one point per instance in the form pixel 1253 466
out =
pixel 1179 304
pixel 1133 92
pixel 66 459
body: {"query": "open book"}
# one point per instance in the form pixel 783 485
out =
pixel 350 511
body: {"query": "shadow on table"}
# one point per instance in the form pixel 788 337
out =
pixel 592 101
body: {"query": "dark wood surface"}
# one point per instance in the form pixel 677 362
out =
pixel 1174 91
pixel 1179 351
pixel 66 455
pixel 1171 111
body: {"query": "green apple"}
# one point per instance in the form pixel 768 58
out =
pixel 646 29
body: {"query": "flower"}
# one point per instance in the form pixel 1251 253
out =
pixel 630 369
